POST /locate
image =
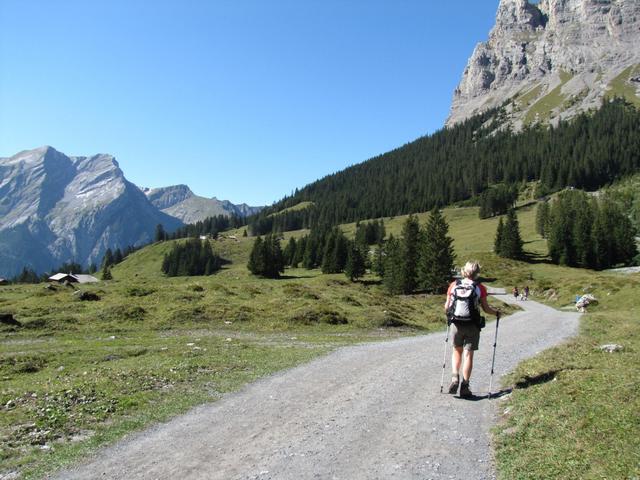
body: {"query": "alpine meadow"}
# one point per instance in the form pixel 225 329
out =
pixel 156 333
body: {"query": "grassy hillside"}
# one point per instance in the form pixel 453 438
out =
pixel 79 374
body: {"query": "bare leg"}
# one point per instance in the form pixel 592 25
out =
pixel 468 365
pixel 456 360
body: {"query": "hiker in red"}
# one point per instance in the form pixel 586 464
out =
pixel 464 298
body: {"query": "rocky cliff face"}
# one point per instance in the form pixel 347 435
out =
pixel 552 60
pixel 55 208
pixel 180 202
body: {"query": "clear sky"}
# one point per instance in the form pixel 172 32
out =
pixel 240 99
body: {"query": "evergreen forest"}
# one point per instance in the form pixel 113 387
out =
pixel 460 163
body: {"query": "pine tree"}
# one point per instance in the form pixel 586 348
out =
pixel 107 260
pixel 335 252
pixel 300 249
pixel 511 241
pixel 160 235
pixel 497 243
pixel 378 260
pixel 542 219
pixel 290 252
pixel 106 273
pixel 256 260
pixel 355 267
pixel 409 254
pixel 436 254
pixel 266 258
pixel 393 279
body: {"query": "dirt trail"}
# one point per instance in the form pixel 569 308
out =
pixel 365 412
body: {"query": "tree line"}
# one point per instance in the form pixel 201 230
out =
pixel 461 162
pixel 210 226
pixel 28 275
pixel 420 259
pixel 497 200
pixel 190 258
pixel 586 232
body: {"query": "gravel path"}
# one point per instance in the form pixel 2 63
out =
pixel 365 412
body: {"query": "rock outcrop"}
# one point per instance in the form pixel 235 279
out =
pixel 55 208
pixel 551 60
pixel 180 202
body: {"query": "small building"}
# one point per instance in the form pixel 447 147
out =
pixel 73 278
pixel 4 281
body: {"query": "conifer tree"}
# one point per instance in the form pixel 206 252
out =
pixel 378 260
pixel 436 254
pixel 107 260
pixel 335 252
pixel 160 235
pixel 355 267
pixel 106 273
pixel 290 251
pixel 511 241
pixel 256 259
pixel 497 243
pixel 542 219
pixel 300 249
pixel 393 279
pixel 410 254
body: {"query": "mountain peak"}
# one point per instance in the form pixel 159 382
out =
pixel 552 60
pixel 167 197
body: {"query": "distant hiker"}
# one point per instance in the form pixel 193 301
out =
pixel 525 293
pixel 515 293
pixel 462 308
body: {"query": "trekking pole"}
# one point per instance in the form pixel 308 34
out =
pixel 444 356
pixel 493 362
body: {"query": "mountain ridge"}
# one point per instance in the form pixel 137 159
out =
pixel 180 202
pixel 56 208
pixel 549 61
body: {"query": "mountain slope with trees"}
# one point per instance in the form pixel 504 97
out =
pixel 459 163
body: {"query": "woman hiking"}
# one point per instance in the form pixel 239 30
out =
pixel 462 308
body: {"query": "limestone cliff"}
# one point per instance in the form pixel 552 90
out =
pixel 552 60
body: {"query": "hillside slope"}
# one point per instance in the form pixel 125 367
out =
pixel 460 162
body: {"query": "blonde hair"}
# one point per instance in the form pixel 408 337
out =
pixel 470 270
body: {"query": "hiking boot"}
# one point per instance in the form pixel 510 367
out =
pixel 464 390
pixel 453 386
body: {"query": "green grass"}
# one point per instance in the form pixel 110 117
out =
pixel 582 420
pixel 541 110
pixel 525 100
pixel 622 87
pixel 295 208
pixel 79 375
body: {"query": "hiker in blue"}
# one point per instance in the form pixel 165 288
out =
pixel 464 298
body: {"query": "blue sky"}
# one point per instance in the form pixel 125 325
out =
pixel 240 99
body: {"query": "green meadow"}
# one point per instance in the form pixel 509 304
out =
pixel 81 374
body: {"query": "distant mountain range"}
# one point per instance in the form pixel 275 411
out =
pixel 180 202
pixel 56 208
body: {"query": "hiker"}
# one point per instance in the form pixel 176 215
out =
pixel 525 294
pixel 462 308
pixel 515 293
